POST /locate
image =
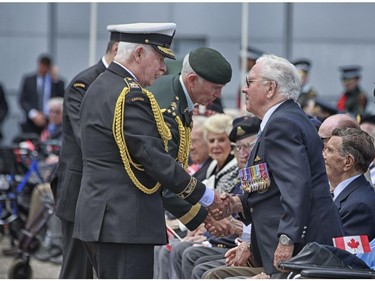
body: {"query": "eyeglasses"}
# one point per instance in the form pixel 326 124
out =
pixel 249 81
pixel 246 146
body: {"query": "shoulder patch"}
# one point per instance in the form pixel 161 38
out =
pixel 137 99
pixel 79 85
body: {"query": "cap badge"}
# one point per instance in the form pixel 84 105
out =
pixel 240 131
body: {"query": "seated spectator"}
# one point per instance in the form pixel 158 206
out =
pixel 199 259
pixel 367 124
pixel 51 246
pixel 347 157
pixel 53 131
pixel 199 157
pixel 221 175
pixel 340 120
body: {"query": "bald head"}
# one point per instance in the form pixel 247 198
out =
pixel 340 121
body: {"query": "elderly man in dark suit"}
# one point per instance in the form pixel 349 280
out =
pixel 287 196
pixel 36 90
pixel 124 141
pixel 347 156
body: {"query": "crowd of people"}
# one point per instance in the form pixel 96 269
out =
pixel 239 192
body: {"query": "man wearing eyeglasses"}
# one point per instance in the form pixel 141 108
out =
pixel 288 200
pixel 244 136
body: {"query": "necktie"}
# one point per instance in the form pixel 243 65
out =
pixel 41 93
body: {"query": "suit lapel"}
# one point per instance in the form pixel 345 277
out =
pixel 355 184
pixel 183 107
pixel 254 152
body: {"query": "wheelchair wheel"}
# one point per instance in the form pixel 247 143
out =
pixel 20 269
pixel 34 245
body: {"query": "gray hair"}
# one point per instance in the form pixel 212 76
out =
pixel 217 123
pixel 187 69
pixel 126 49
pixel 282 72
pixel 357 143
pixel 56 101
pixel 198 120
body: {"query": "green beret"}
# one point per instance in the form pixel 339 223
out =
pixel 210 65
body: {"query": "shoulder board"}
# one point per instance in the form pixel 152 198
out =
pixel 132 84
pixel 79 85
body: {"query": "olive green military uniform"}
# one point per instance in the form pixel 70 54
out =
pixel 172 101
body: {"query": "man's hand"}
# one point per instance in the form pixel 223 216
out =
pixel 238 256
pixel 229 205
pixel 218 228
pixel 40 120
pixel 282 253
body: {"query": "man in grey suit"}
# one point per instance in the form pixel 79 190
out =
pixel 287 196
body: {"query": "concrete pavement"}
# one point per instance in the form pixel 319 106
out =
pixel 40 270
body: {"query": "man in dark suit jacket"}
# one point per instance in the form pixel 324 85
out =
pixel 3 109
pixel 287 199
pixel 348 154
pixel 69 173
pixel 124 143
pixel 204 74
pixel 34 94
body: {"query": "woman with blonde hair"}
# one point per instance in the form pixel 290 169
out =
pixel 222 173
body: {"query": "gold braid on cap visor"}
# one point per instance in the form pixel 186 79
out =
pixel 118 134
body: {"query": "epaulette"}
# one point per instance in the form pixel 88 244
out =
pixel 132 84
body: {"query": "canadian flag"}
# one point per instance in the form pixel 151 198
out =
pixel 353 244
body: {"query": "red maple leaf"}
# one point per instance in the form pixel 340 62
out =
pixel 353 244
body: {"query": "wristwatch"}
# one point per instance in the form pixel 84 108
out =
pixel 285 240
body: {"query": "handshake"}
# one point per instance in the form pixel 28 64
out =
pixel 224 205
pixel 219 221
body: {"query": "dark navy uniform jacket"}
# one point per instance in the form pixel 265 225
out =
pixel 111 206
pixel 297 202
pixel 70 158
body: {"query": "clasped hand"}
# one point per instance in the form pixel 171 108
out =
pixel 222 207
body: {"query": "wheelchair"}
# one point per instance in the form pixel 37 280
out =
pixel 21 171
pixel 316 261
